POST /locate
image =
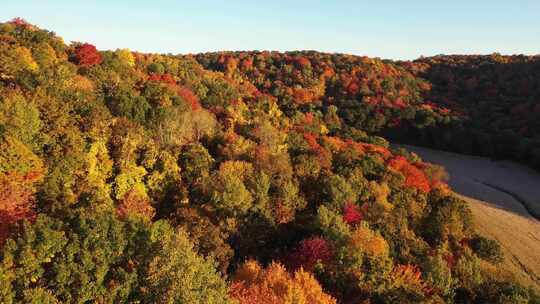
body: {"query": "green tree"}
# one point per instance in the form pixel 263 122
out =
pixel 20 119
pixel 178 275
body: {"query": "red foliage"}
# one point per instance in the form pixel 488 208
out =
pixel 362 148
pixel 311 140
pixel 414 177
pixel 309 253
pixel 451 260
pixel 188 96
pixel 183 92
pixel 18 21
pixel 87 55
pixel 324 156
pixel 399 103
pixel 247 64
pixel 303 61
pixel 308 118
pixel 302 95
pixel 16 200
pixel 165 78
pixel 352 214
pixel 353 88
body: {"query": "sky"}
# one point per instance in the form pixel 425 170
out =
pixel 392 29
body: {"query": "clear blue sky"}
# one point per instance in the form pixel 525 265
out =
pixel 403 29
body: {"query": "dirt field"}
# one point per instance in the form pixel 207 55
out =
pixel 502 197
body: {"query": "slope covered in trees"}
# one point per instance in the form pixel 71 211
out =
pixel 224 178
pixel 481 105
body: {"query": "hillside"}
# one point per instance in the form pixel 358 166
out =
pixel 227 178
pixel 479 105
pixel 499 195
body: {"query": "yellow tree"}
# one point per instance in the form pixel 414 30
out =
pixel 254 285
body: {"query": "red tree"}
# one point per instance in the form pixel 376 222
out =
pixel 18 21
pixel 311 140
pixel 16 200
pixel 414 177
pixel 303 61
pixel 309 253
pixel 352 214
pixel 87 55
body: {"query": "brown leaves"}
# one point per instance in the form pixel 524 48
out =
pixel 136 204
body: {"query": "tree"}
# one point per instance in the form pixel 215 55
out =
pixel 177 127
pixel 14 60
pixel 23 260
pixel 130 179
pixel 125 57
pixel 228 192
pixel 133 107
pixel 338 191
pixel 414 177
pixel 332 225
pixel 368 242
pixel 209 240
pixel 487 249
pixel 20 171
pixel 196 163
pixel 438 276
pixel 309 253
pixel 17 157
pixel 86 55
pixel 16 200
pixel 135 204
pixel 449 219
pixel 253 284
pixel 352 214
pixel 20 118
pixel 156 68
pixel 178 275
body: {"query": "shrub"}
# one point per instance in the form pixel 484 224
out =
pixel 489 250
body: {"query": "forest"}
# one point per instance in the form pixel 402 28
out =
pixel 249 177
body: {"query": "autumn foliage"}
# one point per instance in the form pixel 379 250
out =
pixel 188 96
pixel 165 78
pixel 310 252
pixel 16 200
pixel 352 213
pixel 87 55
pixel 135 204
pixel 408 277
pixel 145 178
pixel 253 285
pixel 368 241
pixel 414 177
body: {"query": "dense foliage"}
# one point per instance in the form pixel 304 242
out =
pixel 225 178
pixel 482 105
